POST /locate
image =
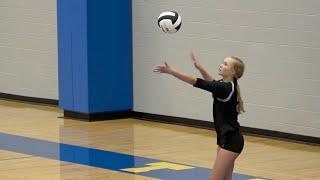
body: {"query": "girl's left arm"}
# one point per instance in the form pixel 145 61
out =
pixel 180 75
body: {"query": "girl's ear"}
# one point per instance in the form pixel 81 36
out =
pixel 233 70
pixel 234 73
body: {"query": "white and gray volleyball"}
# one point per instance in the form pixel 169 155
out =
pixel 169 21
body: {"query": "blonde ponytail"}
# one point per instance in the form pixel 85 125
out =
pixel 240 106
pixel 239 70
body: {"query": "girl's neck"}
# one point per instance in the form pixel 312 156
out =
pixel 227 79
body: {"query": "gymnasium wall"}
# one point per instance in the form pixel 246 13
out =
pixel 28 48
pixel 278 40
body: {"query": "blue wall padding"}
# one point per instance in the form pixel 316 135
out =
pixel 72 55
pixel 110 55
pixel 95 55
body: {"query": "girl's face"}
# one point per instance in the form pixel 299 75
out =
pixel 226 68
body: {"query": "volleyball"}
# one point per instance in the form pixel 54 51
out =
pixel 169 21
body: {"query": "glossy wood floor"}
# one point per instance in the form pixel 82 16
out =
pixel 262 157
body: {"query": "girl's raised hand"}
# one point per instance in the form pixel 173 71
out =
pixel 194 61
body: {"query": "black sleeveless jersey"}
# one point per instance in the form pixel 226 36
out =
pixel 225 113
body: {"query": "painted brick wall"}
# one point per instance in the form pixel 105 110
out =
pixel 28 48
pixel 279 41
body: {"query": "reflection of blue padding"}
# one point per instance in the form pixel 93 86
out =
pixel 98 158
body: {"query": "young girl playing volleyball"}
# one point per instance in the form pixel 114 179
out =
pixel 226 107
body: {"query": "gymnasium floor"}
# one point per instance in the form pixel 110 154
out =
pixel 37 143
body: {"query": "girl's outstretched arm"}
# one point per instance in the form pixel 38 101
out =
pixel 180 75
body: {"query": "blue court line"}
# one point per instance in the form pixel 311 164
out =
pixel 101 158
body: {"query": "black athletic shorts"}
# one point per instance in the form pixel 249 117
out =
pixel 231 141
